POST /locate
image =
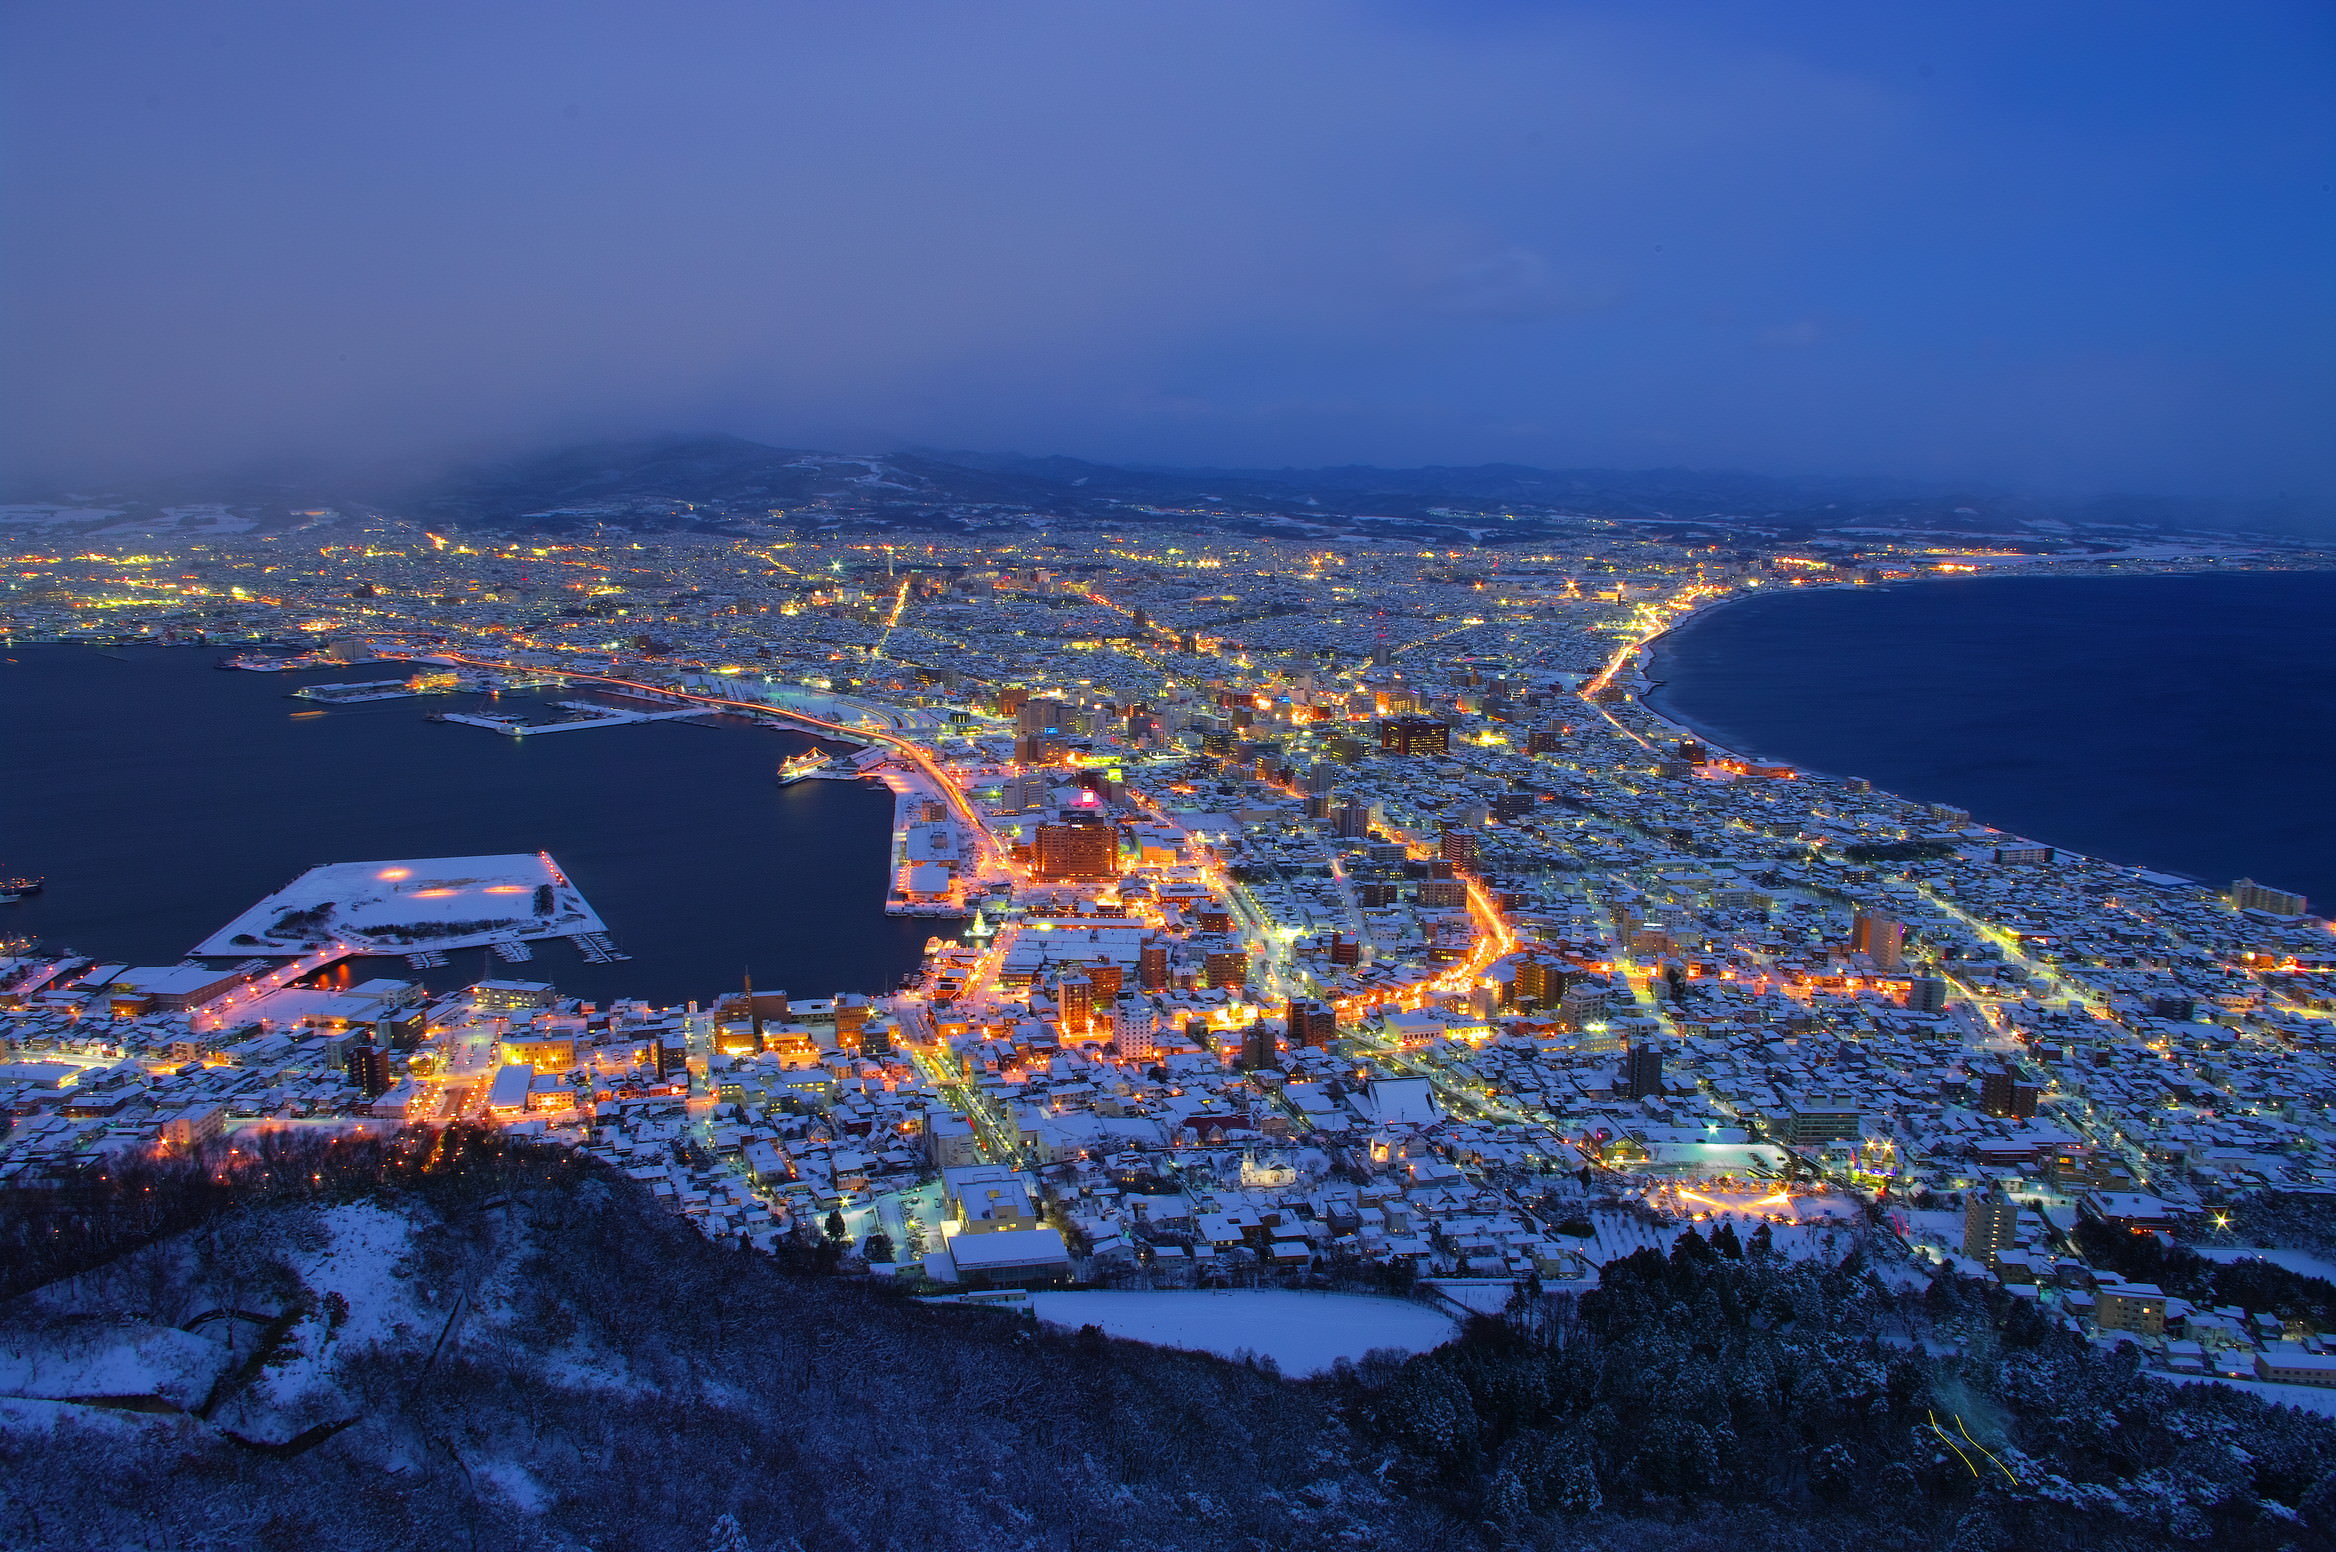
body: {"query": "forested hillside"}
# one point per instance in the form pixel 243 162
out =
pixel 505 1348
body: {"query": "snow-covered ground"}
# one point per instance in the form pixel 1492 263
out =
pixel 2308 1398
pixel 2302 1263
pixel 175 1367
pixel 401 905
pixel 1824 1232
pixel 1303 1332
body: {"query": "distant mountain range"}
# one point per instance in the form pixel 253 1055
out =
pixel 727 483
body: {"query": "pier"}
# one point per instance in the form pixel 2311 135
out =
pixel 590 716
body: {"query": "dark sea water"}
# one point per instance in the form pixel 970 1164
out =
pixel 2179 722
pixel 160 797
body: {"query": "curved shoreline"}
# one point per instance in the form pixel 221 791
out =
pixel 1645 656
pixel 1655 675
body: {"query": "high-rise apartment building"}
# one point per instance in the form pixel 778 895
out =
pixel 1927 994
pixel 1880 938
pixel 1312 1023
pixel 1642 1072
pixel 369 1070
pixel 1990 1226
pixel 2248 895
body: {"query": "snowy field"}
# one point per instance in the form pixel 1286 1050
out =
pixel 2302 1263
pixel 396 907
pixel 1303 1332
pixel 2309 1398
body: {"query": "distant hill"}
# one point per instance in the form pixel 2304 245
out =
pixel 730 484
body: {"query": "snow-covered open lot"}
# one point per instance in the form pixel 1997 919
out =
pixel 1303 1332
pixel 401 905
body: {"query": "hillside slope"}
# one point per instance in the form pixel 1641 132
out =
pixel 507 1348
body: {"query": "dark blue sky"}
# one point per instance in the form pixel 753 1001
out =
pixel 2068 245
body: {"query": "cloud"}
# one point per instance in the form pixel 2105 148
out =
pixel 1198 232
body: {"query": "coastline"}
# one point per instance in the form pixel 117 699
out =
pixel 1655 674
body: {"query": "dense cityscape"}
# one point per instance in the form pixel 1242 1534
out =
pixel 1306 915
pixel 1043 777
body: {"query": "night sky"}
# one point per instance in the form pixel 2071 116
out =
pixel 2073 246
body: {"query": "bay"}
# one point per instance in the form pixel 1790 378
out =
pixel 2181 722
pixel 160 796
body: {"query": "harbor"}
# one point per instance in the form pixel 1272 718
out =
pixel 677 836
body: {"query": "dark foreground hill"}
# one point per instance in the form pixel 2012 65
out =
pixel 492 1348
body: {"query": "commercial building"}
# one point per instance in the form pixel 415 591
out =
pixel 168 989
pixel 507 1095
pixel 1822 1121
pixel 1414 736
pixel 1075 850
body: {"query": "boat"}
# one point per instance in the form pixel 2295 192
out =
pixel 801 766
pixel 18 888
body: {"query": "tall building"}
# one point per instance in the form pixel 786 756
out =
pixel 1414 736
pixel 1152 967
pixel 1226 967
pixel 2248 895
pixel 1880 938
pixel 1257 1047
pixel 2003 1092
pixel 1990 1226
pixel 1539 981
pixel 1040 715
pixel 1076 851
pixel 1075 996
pixel 1135 1029
pixel 1642 1072
pixel 369 1070
pixel 1461 848
pixel 1927 994
pixel 1312 1023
